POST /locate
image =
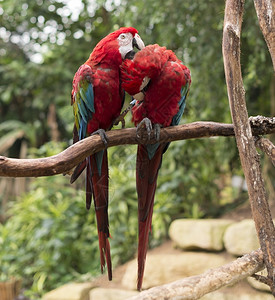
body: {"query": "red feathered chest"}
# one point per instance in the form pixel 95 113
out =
pixel 162 95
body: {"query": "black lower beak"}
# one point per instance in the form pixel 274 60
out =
pixel 135 44
pixel 130 55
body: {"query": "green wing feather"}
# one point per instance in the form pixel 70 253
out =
pixel 83 106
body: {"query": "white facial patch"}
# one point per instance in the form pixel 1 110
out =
pixel 125 41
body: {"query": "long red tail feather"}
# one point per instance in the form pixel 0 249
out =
pixel 146 177
pixel 100 195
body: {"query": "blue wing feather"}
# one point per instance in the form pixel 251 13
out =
pixel 82 129
pixel 99 159
pixel 89 96
pixel 182 104
pixel 151 149
pixel 83 113
pixel 83 107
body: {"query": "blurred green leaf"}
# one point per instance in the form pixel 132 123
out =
pixel 50 238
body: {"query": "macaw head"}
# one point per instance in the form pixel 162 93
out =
pixel 116 46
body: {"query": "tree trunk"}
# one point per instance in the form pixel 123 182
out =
pixel 266 15
pixel 245 142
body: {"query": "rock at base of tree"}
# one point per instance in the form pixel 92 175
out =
pixel 259 285
pixel 237 296
pixel 70 291
pixel 161 269
pixel 241 238
pixel 111 294
pixel 199 234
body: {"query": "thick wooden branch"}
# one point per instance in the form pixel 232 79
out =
pixel 266 15
pixel 267 147
pixel 66 160
pixel 195 287
pixel 245 142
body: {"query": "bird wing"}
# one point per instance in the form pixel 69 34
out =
pixel 83 99
pixel 184 94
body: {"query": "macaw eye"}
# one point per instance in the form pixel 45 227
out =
pixel 122 36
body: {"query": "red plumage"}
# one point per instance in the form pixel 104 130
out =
pixel 97 99
pixel 146 182
pixel 167 77
pixel 163 101
pixel 105 52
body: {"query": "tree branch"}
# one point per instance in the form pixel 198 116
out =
pixel 267 147
pixel 195 287
pixel 266 12
pixel 66 160
pixel 245 142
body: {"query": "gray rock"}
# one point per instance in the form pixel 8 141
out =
pixel 241 238
pixel 111 294
pixel 258 285
pixel 161 269
pixel 237 296
pixel 215 296
pixel 70 291
pixel 199 234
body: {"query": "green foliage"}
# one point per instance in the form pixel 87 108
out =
pixel 50 238
pixel 60 39
pixel 38 241
pixel 190 181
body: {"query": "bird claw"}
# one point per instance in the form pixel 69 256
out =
pixel 103 136
pixel 144 125
pixel 121 117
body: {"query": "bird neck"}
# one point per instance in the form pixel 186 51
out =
pixel 105 55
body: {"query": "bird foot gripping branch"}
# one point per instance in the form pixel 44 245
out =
pixel 103 136
pixel 146 130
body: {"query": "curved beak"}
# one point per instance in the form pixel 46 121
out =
pixel 138 42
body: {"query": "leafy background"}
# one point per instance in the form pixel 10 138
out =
pixel 46 234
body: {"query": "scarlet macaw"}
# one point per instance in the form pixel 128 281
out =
pixel 97 98
pixel 160 83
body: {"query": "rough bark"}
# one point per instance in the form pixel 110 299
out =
pixel 245 142
pixel 267 147
pixel 195 287
pixel 266 15
pixel 66 160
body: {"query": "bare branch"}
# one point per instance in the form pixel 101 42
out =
pixel 266 16
pixel 66 160
pixel 195 287
pixel 245 142
pixel 267 147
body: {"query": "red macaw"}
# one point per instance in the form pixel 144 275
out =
pixel 97 98
pixel 160 83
